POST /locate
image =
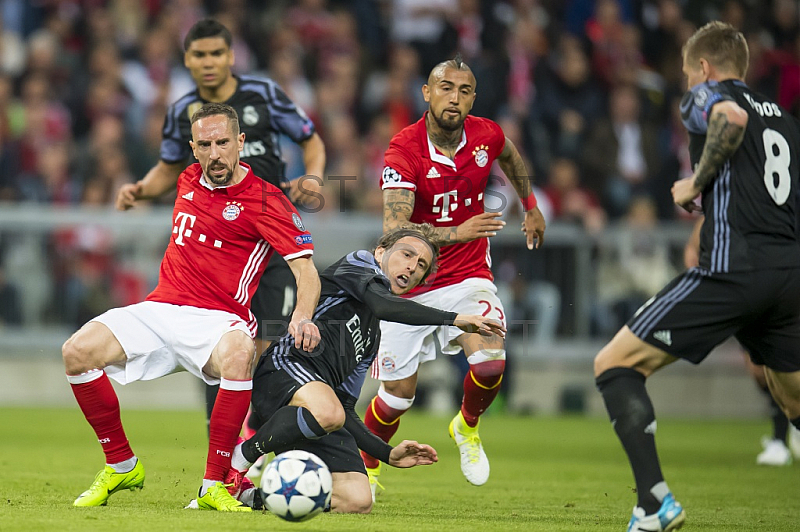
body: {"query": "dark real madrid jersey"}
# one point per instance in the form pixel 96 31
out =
pixel 265 112
pixel 349 330
pixel 751 205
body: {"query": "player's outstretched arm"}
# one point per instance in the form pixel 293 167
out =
pixel 161 179
pixel 406 454
pixel 398 205
pixel 513 166
pixel 726 127
pixel 305 332
pixel 409 453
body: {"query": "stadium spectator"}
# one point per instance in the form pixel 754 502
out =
pixel 570 200
pixel 189 323
pixel 436 171
pixel 632 267
pixel 567 102
pixel 748 281
pixel 622 154
pixel 423 24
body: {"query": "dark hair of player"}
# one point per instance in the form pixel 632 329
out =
pixel 205 28
pixel 213 108
pixel 720 44
pixel 422 232
pixel 457 63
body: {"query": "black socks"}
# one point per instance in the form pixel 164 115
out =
pixel 634 421
pixel 288 425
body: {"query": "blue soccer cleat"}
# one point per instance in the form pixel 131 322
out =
pixel 669 517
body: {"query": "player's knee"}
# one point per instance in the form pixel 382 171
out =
pixel 404 389
pixel 237 363
pixel 76 354
pixel 353 502
pixel 605 360
pixel 330 418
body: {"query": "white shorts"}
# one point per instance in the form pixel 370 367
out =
pixel 160 338
pixel 404 347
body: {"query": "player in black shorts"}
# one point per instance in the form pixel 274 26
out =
pixel 746 154
pixel 307 401
pixel 265 112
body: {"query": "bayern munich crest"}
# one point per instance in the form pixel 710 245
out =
pixel 387 364
pixel 481 155
pixel 232 210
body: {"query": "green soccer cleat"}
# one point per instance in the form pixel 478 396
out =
pixel 218 498
pixel 107 482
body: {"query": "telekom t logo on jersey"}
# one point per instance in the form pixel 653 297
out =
pixel 180 228
pixel 446 207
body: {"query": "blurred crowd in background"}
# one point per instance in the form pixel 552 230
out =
pixel 588 90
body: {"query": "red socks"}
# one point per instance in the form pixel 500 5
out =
pixel 481 386
pixel 225 424
pixel 383 421
pixel 100 406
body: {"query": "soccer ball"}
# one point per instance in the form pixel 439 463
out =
pixel 296 486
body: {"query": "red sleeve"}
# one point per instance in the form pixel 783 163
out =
pixel 400 166
pixel 281 226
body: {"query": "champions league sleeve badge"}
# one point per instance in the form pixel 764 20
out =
pixel 298 222
pixel 390 175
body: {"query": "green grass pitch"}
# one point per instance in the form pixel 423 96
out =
pixel 548 474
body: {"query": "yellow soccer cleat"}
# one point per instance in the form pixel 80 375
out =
pixel 107 482
pixel 474 463
pixel 218 498
pixel 373 473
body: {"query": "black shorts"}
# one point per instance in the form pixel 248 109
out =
pixel 274 300
pixel 698 310
pixel 273 389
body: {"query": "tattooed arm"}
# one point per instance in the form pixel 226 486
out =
pixel 513 166
pixel 726 127
pixel 398 204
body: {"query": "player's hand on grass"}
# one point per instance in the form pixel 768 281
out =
pixel 305 332
pixel 684 192
pixel 126 197
pixel 410 453
pixel 472 323
pixel 481 225
pixel 533 226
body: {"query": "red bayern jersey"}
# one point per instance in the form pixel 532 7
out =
pixel 222 239
pixel 447 192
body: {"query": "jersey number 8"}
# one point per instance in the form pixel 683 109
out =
pixel 778 158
